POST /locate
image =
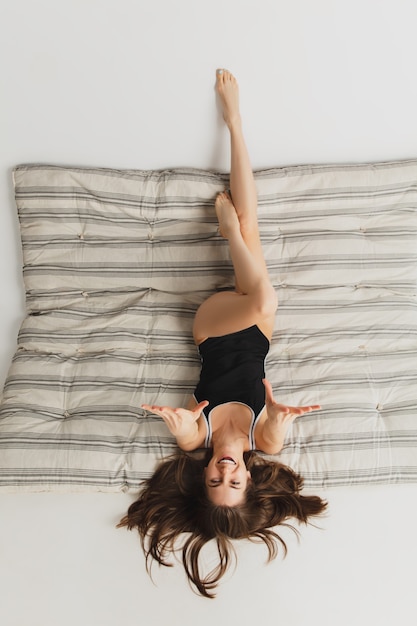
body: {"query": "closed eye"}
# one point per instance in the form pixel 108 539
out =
pixel 216 483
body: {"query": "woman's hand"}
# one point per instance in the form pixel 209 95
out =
pixel 182 423
pixel 279 419
pixel 281 413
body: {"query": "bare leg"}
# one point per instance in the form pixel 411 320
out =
pixel 242 183
pixel 254 301
pixel 250 272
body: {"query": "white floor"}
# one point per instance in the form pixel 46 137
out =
pixel 63 562
pixel 129 83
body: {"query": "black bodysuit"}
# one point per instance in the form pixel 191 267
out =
pixel 233 367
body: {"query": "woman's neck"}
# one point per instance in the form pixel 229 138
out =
pixel 232 431
pixel 225 446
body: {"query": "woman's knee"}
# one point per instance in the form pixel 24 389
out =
pixel 268 300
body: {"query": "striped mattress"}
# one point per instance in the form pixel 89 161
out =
pixel 116 264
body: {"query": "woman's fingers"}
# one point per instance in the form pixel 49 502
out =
pixel 296 410
pixel 303 409
pixel 162 411
pixel 268 389
pixel 200 406
pixel 152 408
pixel 170 412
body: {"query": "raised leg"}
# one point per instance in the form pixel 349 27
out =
pixel 242 183
pixel 249 266
pixel 254 301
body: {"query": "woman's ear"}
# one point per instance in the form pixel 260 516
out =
pixel 249 475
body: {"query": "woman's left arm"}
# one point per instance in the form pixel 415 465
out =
pixel 279 418
pixel 182 423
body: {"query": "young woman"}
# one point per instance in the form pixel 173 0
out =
pixel 233 493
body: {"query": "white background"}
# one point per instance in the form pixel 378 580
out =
pixel 130 84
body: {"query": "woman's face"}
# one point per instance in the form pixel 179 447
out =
pixel 226 479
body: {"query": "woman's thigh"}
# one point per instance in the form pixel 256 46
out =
pixel 229 312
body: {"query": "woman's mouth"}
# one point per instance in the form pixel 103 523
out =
pixel 227 460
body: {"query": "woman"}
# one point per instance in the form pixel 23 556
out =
pixel 232 493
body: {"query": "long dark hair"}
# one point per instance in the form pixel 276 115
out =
pixel 174 501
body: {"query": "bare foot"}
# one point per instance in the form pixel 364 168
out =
pixel 226 214
pixel 228 90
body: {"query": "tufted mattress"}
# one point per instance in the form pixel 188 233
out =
pixel 115 266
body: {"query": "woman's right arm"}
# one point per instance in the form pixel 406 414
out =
pixel 271 437
pixel 184 424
